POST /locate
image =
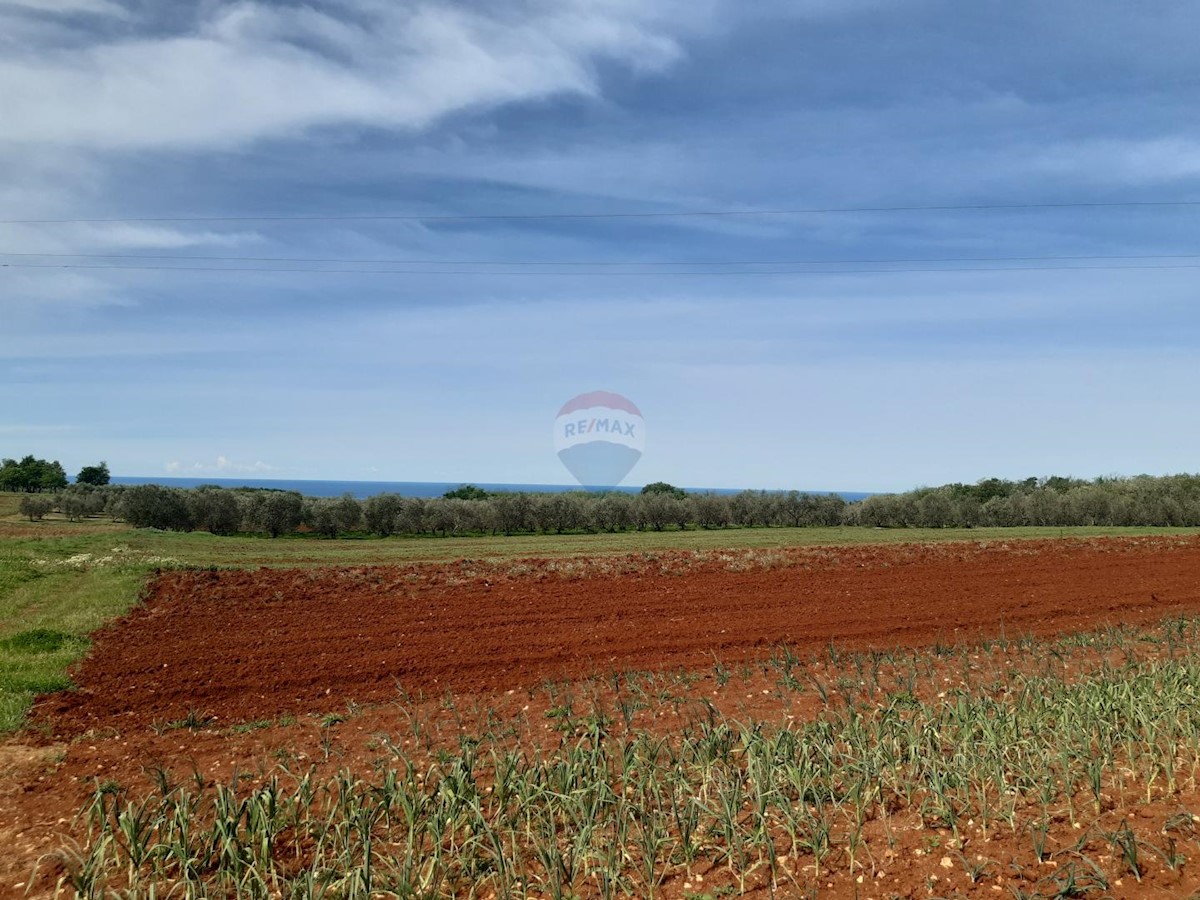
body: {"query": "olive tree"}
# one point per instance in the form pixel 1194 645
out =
pixel 153 506
pixel 382 513
pixel 215 510
pixel 275 512
pixel 35 507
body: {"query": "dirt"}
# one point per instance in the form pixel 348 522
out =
pixel 500 638
pixel 249 644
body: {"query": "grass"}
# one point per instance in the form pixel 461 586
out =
pixel 46 613
pixel 73 577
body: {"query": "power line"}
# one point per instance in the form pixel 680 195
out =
pixel 497 262
pixel 439 217
pixel 511 274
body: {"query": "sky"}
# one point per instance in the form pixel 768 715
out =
pixel 174 176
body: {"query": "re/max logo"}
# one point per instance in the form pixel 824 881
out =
pixel 581 427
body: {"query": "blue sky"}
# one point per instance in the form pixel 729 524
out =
pixel 119 109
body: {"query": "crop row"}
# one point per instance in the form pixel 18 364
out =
pixel 608 813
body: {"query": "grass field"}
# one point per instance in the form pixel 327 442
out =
pixel 63 580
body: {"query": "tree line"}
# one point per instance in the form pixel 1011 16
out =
pixel 34 476
pixel 1056 501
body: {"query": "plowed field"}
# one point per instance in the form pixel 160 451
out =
pixel 248 644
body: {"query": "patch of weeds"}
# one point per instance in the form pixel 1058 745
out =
pixel 193 721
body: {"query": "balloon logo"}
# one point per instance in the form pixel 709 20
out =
pixel 599 436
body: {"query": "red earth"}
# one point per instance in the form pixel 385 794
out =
pixel 249 644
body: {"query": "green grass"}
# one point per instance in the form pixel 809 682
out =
pixel 71 579
pixel 46 613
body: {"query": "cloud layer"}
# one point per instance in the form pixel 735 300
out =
pixel 251 70
pixel 449 371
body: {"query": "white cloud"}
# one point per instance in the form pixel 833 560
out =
pixel 222 466
pixel 62 7
pixel 252 71
pixel 21 430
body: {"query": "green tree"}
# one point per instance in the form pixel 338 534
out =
pixel 35 507
pixel 10 475
pixel 348 512
pixel 154 506
pixel 97 475
pixel 467 492
pixel 214 509
pixel 661 487
pixel 382 513
pixel 32 475
pixel 53 476
pixel 279 512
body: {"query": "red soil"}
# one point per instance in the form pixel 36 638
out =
pixel 252 644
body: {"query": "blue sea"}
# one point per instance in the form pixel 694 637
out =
pixel 364 489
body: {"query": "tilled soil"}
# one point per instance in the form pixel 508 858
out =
pixel 244 645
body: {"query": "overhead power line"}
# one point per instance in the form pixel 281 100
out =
pixel 576 272
pixel 708 213
pixel 615 263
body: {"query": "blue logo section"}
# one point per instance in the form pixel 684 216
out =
pixel 599 437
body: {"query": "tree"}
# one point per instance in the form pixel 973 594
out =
pixel 97 475
pixel 661 487
pixel 215 509
pixel 80 500
pixel 514 512
pixel 467 492
pixel 382 513
pixel 53 477
pixel 35 507
pixel 32 475
pixel 280 512
pixel 710 510
pixel 320 514
pixel 348 512
pixel 658 508
pixel 152 506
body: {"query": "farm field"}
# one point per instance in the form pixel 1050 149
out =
pixel 769 712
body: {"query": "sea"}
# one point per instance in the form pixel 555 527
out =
pixel 364 489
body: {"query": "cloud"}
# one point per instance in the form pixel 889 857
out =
pixel 66 7
pixel 22 430
pixel 222 466
pixel 1135 160
pixel 251 71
